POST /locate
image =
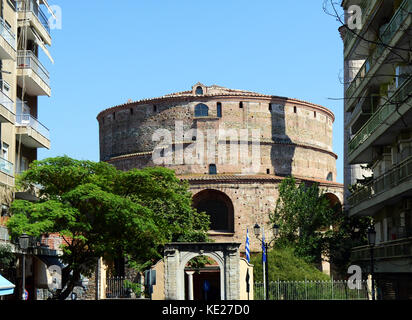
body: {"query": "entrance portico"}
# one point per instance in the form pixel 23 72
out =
pixel 177 255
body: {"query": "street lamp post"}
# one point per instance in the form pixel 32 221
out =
pixel 256 229
pixel 371 241
pixel 24 245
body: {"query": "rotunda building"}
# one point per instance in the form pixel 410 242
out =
pixel 233 147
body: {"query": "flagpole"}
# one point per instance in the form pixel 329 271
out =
pixel 247 249
pixel 264 262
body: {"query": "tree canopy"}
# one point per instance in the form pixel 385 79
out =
pixel 313 227
pixel 103 212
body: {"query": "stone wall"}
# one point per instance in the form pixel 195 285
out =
pixel 295 139
pixel 252 200
pixel 296 136
pixel 225 254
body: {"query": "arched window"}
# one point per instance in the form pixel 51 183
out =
pixel 201 110
pixel 199 90
pixel 212 169
pixel 218 206
pixel 330 176
pixel 219 110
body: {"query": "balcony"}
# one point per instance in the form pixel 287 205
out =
pixel 395 29
pixel 6 172
pixel 384 190
pixel 387 119
pixel 7 42
pixel 30 14
pixel 31 132
pixel 32 75
pixel 401 248
pixel 6 105
pixel 368 8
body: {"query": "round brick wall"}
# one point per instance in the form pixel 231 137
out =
pixel 295 139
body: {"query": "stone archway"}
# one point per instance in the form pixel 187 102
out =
pixel 218 206
pixel 187 256
pixel 177 255
pixel 333 200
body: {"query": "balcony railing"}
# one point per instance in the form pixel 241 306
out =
pixel 33 7
pixel 366 6
pixel 391 249
pixel 27 60
pixel 379 117
pixel 5 101
pixel 27 120
pixel 6 166
pixel 7 34
pixel 399 174
pixel 387 34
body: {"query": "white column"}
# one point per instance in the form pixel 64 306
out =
pixel 190 284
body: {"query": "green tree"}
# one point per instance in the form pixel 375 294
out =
pixel 7 258
pixel 347 233
pixel 103 212
pixel 309 224
pixel 303 214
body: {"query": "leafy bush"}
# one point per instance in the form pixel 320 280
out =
pixel 284 265
pixel 136 288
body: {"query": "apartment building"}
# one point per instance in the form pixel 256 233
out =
pixel 24 31
pixel 24 34
pixel 378 137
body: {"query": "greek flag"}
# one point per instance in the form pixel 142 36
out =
pixel 247 246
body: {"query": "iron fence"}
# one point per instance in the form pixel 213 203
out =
pixel 115 288
pixel 311 290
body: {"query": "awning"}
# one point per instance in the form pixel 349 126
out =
pixel 6 287
pixel 41 44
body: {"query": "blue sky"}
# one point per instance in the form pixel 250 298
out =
pixel 110 51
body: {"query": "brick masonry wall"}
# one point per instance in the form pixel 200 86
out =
pixel 295 136
pixel 291 142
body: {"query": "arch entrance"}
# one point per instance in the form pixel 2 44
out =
pixel 177 256
pixel 334 201
pixel 218 206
